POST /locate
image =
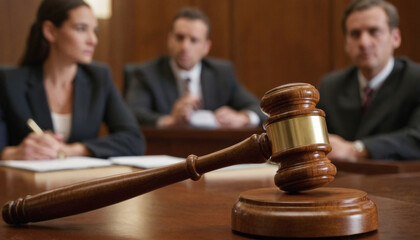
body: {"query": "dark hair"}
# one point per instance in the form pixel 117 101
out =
pixel 56 11
pixel 358 5
pixel 192 14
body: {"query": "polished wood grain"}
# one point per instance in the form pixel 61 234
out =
pixel 98 193
pixel 322 212
pixel 303 165
pixel 197 209
pixel 377 166
pixel 386 185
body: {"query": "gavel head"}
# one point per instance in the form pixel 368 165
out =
pixel 298 136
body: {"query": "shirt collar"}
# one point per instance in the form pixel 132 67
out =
pixel 183 74
pixel 376 81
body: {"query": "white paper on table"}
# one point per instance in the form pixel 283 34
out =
pixel 147 161
pixel 155 161
pixel 245 166
pixel 203 119
pixel 56 164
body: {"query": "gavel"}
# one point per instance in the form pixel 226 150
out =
pixel 296 139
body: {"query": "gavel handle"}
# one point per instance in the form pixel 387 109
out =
pixel 98 193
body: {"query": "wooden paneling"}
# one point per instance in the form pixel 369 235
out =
pixel 3 24
pixel 278 42
pixel 338 58
pixel 144 25
pixel 16 18
pixel 270 42
pixel 103 51
pixel 220 15
pixel 410 26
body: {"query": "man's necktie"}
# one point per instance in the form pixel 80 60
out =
pixel 186 86
pixel 367 98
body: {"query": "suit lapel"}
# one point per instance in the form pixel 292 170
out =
pixel 208 83
pixel 37 99
pixel 349 110
pixel 169 86
pixel 81 101
pixel 380 105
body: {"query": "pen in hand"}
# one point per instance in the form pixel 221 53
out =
pixel 36 129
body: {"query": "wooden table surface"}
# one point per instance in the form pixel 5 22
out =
pixel 197 210
pixel 369 166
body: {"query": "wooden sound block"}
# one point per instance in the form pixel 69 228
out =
pixel 322 212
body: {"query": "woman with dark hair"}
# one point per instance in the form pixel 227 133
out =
pixel 60 89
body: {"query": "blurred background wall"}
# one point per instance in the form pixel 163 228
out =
pixel 270 42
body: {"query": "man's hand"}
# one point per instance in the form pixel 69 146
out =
pixel 230 118
pixel 344 150
pixel 181 111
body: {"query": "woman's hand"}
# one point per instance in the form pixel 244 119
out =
pixel 34 147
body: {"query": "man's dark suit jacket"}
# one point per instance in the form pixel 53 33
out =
pixel 96 100
pixel 151 89
pixel 390 129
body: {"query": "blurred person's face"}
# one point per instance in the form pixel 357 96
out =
pixel 370 43
pixel 188 42
pixel 75 40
